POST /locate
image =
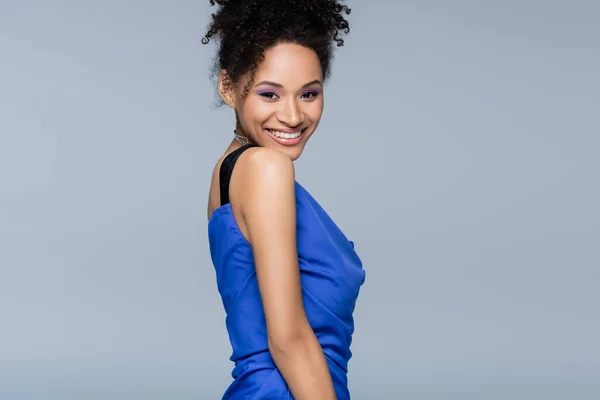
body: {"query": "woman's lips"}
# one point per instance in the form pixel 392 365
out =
pixel 287 138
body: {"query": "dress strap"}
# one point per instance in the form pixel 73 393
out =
pixel 226 171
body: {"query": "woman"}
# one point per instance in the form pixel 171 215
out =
pixel 287 275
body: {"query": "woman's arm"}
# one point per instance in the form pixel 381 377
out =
pixel 266 198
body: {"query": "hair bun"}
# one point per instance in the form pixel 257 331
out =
pixel 246 28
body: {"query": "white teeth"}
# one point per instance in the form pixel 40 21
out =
pixel 285 135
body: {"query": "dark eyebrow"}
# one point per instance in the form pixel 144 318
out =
pixel 316 81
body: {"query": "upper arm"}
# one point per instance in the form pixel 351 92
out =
pixel 268 207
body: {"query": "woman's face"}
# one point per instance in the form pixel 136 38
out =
pixel 284 105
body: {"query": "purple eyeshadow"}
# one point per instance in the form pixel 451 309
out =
pixel 314 91
pixel 261 92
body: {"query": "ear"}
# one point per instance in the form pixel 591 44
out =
pixel 226 89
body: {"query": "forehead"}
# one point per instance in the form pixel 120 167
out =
pixel 289 64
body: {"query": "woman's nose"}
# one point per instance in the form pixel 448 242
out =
pixel 291 114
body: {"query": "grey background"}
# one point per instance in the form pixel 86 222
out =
pixel 458 150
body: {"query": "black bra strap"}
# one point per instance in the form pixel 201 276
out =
pixel 226 171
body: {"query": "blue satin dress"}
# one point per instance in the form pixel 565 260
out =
pixel 331 275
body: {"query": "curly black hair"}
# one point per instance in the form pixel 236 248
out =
pixel 245 29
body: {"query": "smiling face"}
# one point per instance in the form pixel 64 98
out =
pixel 284 105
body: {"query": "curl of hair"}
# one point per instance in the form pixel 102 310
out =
pixel 245 29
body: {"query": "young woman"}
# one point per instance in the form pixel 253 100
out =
pixel 287 275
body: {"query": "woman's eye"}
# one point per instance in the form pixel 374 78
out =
pixel 268 95
pixel 310 95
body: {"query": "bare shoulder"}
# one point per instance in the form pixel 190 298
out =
pixel 261 163
pixel 262 172
pixel 256 165
pixel 262 190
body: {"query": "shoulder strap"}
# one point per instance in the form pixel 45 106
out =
pixel 226 171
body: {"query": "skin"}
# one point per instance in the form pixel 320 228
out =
pixel 262 196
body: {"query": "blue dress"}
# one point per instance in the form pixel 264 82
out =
pixel 331 274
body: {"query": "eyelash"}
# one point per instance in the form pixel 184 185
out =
pixel 269 95
pixel 314 93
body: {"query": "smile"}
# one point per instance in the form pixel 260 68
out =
pixel 284 135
